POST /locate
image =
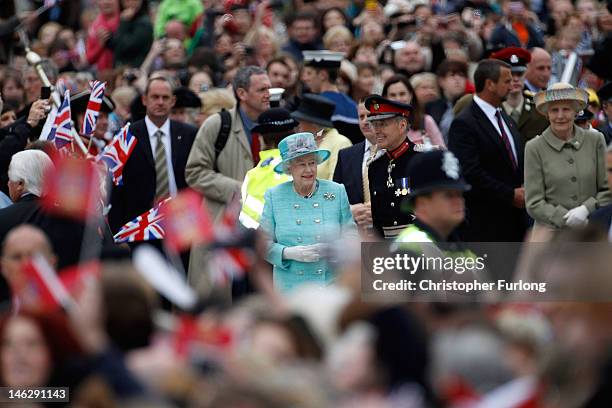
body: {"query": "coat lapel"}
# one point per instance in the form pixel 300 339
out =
pixel 490 130
pixel 239 132
pixel 175 142
pixel 140 128
pixel 358 152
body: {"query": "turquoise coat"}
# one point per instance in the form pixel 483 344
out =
pixel 289 219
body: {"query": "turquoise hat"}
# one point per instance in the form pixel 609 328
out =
pixel 297 145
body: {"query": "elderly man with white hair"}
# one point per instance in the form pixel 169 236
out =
pixel 26 173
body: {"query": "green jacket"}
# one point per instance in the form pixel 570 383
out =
pixel 185 11
pixel 562 175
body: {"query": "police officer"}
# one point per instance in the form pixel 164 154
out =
pixel 435 199
pixel 273 125
pixel 388 175
pixel 519 104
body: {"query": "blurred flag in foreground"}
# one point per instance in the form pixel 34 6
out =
pixel 116 154
pixel 232 258
pixel 186 221
pixel 40 287
pixel 72 188
pixel 145 227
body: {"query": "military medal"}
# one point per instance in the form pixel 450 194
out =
pixel 405 186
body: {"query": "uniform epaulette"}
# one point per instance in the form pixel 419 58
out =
pixel 266 162
pixel 528 93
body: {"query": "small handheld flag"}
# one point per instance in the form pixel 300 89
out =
pixel 116 154
pixel 62 128
pixel 145 227
pixel 93 107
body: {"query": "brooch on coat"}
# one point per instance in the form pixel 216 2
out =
pixel 329 196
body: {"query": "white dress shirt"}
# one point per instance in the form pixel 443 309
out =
pixel 366 154
pixel 490 111
pixel 165 129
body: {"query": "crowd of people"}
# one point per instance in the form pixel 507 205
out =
pixel 305 128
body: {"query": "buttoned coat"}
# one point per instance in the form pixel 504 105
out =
pixel 289 219
pixel 562 175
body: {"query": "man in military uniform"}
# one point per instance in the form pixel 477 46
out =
pixel 388 175
pixel 519 104
pixel 605 97
pixel 436 198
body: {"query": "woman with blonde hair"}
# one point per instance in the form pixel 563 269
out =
pixel 213 101
pixel 261 45
pixel 565 166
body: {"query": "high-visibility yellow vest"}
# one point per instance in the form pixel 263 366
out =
pixel 256 182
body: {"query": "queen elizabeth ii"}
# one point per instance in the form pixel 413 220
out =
pixel 302 215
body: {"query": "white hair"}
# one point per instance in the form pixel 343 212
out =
pixel 30 166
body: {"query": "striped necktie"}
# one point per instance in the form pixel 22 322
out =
pixel 365 178
pixel 161 169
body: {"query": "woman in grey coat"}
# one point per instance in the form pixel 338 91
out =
pixel 565 166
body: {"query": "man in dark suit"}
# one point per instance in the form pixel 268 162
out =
pixel 156 168
pixel 352 165
pixel 489 147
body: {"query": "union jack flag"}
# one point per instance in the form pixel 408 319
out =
pixel 93 107
pixel 62 128
pixel 117 153
pixel 145 227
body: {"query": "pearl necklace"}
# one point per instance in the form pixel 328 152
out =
pixel 312 190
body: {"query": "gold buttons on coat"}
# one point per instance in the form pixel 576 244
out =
pixel 317 221
pixel 296 206
pixel 298 222
pixel 316 205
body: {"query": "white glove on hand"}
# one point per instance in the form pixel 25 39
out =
pixel 303 253
pixel 577 216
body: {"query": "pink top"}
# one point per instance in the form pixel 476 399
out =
pixel 98 54
pixel 431 131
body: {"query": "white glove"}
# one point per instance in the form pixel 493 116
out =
pixel 577 216
pixel 303 253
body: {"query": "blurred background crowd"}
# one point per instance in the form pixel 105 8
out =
pixel 119 344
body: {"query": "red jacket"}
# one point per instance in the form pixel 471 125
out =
pixel 97 53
